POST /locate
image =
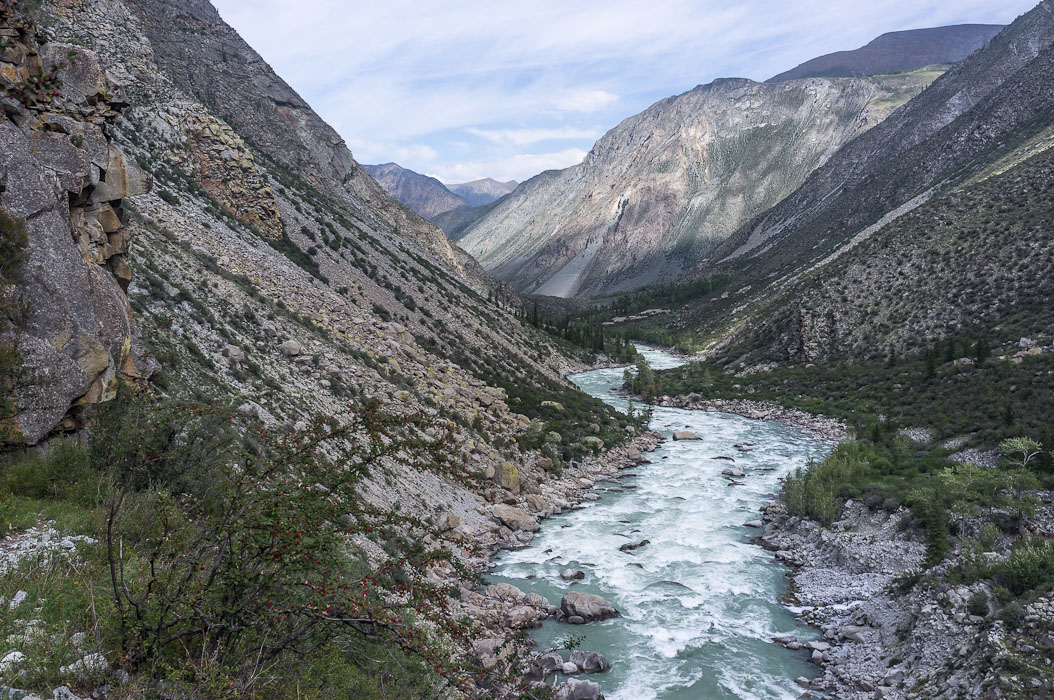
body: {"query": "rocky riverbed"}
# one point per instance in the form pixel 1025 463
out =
pixel 823 427
pixel 884 640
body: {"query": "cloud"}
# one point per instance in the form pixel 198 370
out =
pixel 401 77
pixel 585 100
pixel 519 167
pixel 526 137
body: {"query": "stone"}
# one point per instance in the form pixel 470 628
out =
pixel 548 663
pixel 11 661
pixel 92 663
pixel 450 522
pixel 290 348
pixel 590 661
pixel 575 689
pixel 505 591
pixel 544 463
pixel 515 518
pixel 817 657
pixel 593 441
pixel 523 616
pixel 569 669
pixel 588 606
pixel 733 472
pixel 685 435
pixel 17 599
pixel 631 546
pixel 754 523
pixel 507 476
pixel 576 620
pixel 572 575
pixel 854 633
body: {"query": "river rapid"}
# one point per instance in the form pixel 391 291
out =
pixel 699 602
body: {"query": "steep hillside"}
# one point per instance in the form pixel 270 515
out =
pixel 480 192
pixel 425 195
pixel 265 267
pixel 898 51
pixel 997 101
pixel 970 264
pixel 455 223
pixel 665 187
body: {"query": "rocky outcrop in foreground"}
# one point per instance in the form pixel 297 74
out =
pixel 62 175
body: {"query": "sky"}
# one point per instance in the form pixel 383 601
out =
pixel 466 89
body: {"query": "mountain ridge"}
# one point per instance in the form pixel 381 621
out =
pixel 897 51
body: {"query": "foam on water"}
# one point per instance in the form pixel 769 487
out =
pixel 699 611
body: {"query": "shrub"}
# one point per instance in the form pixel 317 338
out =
pixel 978 604
pixel 238 547
pixel 1029 566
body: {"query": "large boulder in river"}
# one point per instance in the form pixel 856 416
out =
pixel 575 689
pixel 515 518
pixel 685 435
pixel 590 661
pixel 588 606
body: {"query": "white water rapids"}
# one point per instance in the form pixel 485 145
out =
pixel 699 602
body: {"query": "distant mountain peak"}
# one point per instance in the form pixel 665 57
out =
pixel 897 51
pixel 425 195
pixel 482 191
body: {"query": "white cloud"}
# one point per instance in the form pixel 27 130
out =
pixel 585 100
pixel 397 76
pixel 519 167
pixel 526 137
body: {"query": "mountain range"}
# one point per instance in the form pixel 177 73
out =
pixel 428 197
pixel 666 187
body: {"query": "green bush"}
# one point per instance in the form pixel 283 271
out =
pixel 978 604
pixel 1030 566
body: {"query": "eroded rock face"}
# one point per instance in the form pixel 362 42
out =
pixel 63 177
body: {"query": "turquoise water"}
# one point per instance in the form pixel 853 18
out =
pixel 699 602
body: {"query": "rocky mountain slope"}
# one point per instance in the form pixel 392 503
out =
pixel 897 51
pixel 480 192
pixel 992 111
pixel 665 187
pixel 455 223
pixel 425 195
pixel 265 267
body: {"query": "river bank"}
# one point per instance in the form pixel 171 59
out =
pixel 823 427
pixel 883 638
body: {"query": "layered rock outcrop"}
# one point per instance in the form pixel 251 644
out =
pixel 67 181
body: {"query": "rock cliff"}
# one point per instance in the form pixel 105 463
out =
pixel 64 177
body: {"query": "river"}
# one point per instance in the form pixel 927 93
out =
pixel 699 603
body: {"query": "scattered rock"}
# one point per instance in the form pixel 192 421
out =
pixel 515 518
pixel 575 689
pixel 588 606
pixel 685 435
pixel 572 575
pixel 590 661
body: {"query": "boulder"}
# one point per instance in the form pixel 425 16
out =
pixel 854 633
pixel 290 348
pixel 515 518
pixel 754 523
pixel 733 472
pixel 590 661
pixel 593 441
pixel 569 669
pixel 506 592
pixel 524 616
pixel 544 463
pixel 588 606
pixel 685 435
pixel 572 575
pixel 507 476
pixel 631 546
pixel 575 689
